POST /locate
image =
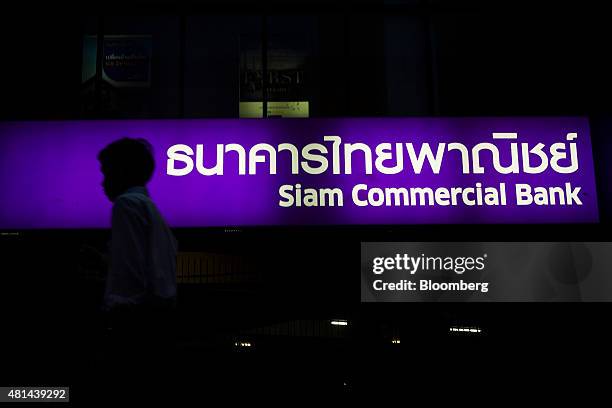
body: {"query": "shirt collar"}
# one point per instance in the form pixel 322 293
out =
pixel 137 190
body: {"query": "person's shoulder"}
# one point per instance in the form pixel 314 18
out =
pixel 130 201
pixel 131 208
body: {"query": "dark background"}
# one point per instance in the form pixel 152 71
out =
pixel 368 58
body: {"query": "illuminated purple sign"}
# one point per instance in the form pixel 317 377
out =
pixel 249 172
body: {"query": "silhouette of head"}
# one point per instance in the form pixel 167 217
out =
pixel 125 163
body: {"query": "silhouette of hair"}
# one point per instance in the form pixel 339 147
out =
pixel 131 160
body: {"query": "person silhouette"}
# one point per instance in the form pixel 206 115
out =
pixel 140 290
pixel 142 267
